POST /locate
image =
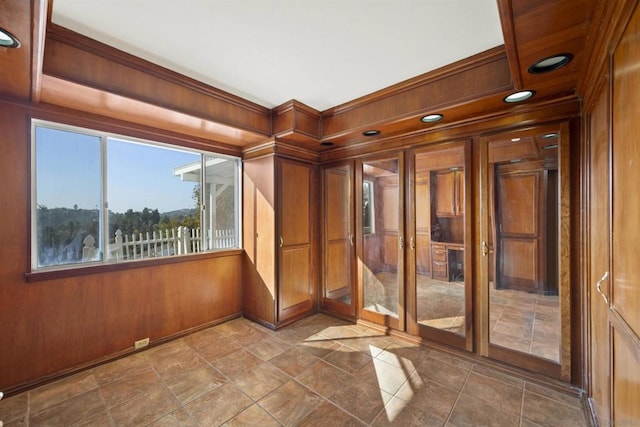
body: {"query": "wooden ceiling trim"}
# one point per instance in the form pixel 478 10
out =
pixel 298 123
pixel 476 77
pixel 73 57
pixel 78 97
pixel 555 110
pixel 510 42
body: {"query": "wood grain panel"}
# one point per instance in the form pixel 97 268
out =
pixel 297 122
pixel 294 284
pixel 626 379
pixel 295 203
pixel 337 201
pixel 625 291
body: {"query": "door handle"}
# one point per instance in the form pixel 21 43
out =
pixel 281 241
pixel 485 248
pixel 412 242
pixel 604 277
pixel 351 239
pixel 401 243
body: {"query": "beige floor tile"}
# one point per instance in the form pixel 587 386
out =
pixel 323 378
pixel 120 368
pixel 400 413
pixel 451 376
pixel 328 415
pixel 428 395
pixel 348 359
pixel 127 388
pixel 145 408
pixel 14 408
pixel 254 415
pixel 69 411
pixel 259 381
pixel 497 394
pixel 50 394
pixel 291 402
pixel 195 383
pixel 404 355
pixel 179 418
pixel 384 376
pixel 470 411
pixel 268 348
pixel 547 412
pixel 102 419
pixel 218 406
pixel 237 363
pixel 361 399
pixel 294 360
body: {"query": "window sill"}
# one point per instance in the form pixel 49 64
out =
pixel 38 276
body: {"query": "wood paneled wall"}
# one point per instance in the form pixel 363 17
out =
pixel 55 326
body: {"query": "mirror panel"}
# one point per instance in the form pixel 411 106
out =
pixel 524 304
pixel 381 234
pixel 439 239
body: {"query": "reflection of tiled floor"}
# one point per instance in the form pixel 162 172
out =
pixel 319 371
pixel 441 304
pixel 526 322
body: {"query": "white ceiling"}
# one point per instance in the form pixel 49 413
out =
pixel 320 52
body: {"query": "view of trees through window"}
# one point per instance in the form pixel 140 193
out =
pixel 103 198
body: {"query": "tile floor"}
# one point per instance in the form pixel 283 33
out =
pixel 319 371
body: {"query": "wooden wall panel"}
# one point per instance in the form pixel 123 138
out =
pixel 55 326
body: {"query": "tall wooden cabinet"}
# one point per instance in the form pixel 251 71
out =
pixel 280 235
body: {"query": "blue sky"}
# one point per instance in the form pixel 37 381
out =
pixel 68 173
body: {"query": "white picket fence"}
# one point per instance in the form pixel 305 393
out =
pixel 162 243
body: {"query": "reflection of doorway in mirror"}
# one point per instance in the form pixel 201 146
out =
pixel 524 303
pixel 368 208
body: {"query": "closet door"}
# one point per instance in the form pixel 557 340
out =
pixel 338 240
pixel 438 273
pixel 381 233
pixel 524 305
pixel 624 296
pixel 295 267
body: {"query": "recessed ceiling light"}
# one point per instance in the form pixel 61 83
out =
pixel 7 39
pixel 550 147
pixel 371 132
pixel 431 118
pixel 519 96
pixel 549 135
pixel 326 144
pixel 551 63
pixel 515 139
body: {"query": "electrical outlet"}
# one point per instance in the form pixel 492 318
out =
pixel 141 343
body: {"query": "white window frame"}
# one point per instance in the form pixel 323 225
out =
pixel 104 225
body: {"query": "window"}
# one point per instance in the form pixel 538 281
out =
pixel 101 198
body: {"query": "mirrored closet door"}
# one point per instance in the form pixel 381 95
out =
pixel 525 237
pixel 439 273
pixel 381 232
